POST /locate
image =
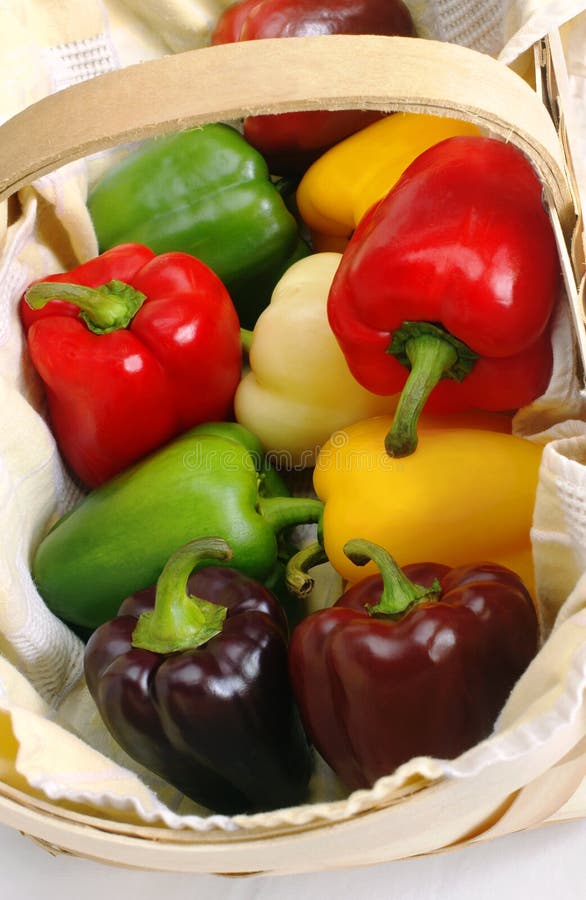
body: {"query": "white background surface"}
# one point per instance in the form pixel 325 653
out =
pixel 545 864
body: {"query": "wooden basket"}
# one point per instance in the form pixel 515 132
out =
pixel 334 72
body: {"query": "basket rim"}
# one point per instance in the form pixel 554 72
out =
pixel 300 73
pixel 60 830
pixel 106 823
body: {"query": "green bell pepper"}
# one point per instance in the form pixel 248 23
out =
pixel 213 481
pixel 204 191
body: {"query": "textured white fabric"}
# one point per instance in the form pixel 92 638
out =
pixel 526 22
pixel 60 750
pixel 472 24
pixel 80 60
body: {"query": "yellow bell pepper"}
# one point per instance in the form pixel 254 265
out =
pixel 344 182
pixel 299 388
pixel 465 495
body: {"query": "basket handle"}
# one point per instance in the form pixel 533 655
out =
pixel 225 82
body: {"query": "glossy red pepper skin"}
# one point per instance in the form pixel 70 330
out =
pixel 462 241
pixel 374 692
pixel 219 721
pixel 115 397
pixel 292 141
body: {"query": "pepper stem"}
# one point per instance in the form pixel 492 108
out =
pixel 284 512
pixel 109 307
pixel 246 336
pixel 299 582
pixel 180 621
pixel 432 354
pixel 399 594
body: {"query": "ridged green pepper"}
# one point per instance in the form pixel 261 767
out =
pixel 204 191
pixel 213 481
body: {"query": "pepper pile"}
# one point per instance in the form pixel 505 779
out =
pixel 214 350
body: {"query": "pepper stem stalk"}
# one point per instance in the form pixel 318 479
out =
pixel 109 307
pixel 399 594
pixel 246 336
pixel 284 512
pixel 432 354
pixel 298 580
pixel 180 621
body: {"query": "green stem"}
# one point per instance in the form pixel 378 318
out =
pixel 284 512
pixel 299 582
pixel 432 354
pixel 109 307
pixel 271 483
pixel 246 336
pixel 399 594
pixel 180 621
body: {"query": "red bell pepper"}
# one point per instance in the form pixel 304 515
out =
pixel 412 662
pixel 292 141
pixel 454 274
pixel 133 349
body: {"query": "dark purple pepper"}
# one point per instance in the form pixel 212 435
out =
pixel 410 663
pixel 191 679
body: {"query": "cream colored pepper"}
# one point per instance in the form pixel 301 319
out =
pixel 299 389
